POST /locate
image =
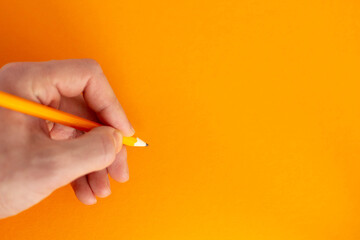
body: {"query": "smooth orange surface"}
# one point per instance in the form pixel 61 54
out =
pixel 258 102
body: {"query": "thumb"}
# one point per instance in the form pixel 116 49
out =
pixel 90 152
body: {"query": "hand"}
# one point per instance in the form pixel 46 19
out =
pixel 37 157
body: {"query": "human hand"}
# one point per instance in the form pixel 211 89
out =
pixel 38 157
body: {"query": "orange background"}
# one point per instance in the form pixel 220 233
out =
pixel 251 109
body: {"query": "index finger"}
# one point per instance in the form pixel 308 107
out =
pixel 70 78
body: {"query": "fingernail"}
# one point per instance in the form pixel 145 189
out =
pixel 108 183
pixel 125 176
pixel 118 140
pixel 92 201
pixel 132 129
pixel 108 192
pixel 105 193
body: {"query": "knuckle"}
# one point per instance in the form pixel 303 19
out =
pixel 21 70
pixel 13 65
pixel 93 64
pixel 46 70
pixel 12 68
pixel 16 70
pixel 9 66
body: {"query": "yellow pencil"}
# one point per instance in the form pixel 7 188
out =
pixel 41 111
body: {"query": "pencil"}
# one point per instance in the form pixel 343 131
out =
pixel 44 112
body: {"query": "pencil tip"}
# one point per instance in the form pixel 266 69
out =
pixel 147 145
pixel 140 143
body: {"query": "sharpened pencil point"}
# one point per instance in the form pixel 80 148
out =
pixel 140 143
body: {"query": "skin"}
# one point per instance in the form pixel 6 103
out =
pixel 38 157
